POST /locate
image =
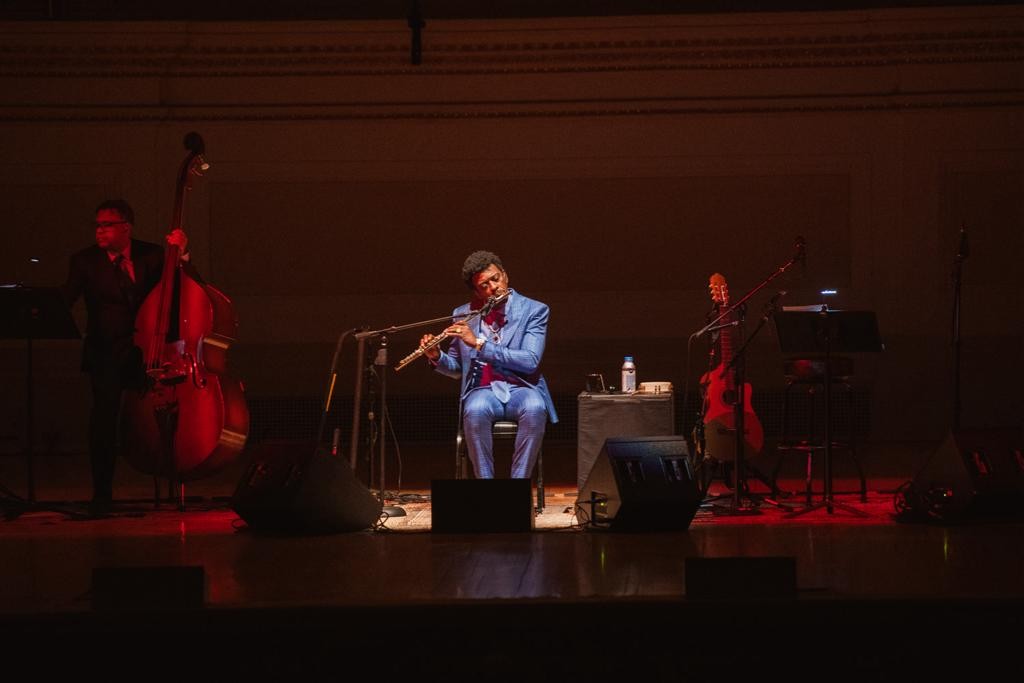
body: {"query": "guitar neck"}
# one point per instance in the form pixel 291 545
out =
pixel 725 344
pixel 725 349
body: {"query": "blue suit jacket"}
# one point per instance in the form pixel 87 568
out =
pixel 519 353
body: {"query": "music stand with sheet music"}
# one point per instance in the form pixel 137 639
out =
pixel 819 329
pixel 32 313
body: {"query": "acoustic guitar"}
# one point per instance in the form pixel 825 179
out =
pixel 719 386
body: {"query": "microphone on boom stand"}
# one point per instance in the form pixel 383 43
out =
pixel 493 301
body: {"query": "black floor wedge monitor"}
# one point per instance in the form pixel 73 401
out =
pixel 640 484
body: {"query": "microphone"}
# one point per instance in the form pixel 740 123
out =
pixel 772 305
pixel 493 301
pixel 801 254
pixel 964 250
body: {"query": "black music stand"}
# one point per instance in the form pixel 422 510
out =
pixel 31 313
pixel 824 331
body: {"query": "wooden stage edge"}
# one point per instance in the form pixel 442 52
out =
pixel 871 598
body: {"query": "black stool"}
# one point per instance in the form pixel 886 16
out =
pixel 501 430
pixel 808 374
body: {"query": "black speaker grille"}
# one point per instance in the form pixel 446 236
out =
pixel 640 484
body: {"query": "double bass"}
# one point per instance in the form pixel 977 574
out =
pixel 189 418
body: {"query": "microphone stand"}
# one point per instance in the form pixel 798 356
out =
pixel 381 360
pixel 797 258
pixel 961 255
pixel 738 508
pixel 739 363
pixel 332 377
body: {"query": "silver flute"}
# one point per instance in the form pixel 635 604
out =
pixel 493 301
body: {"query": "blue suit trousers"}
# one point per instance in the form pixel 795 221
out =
pixel 482 408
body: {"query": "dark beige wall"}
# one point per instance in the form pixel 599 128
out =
pixel 614 163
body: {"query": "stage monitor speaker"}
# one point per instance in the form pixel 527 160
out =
pixel 466 506
pixel 288 490
pixel 975 472
pixel 642 483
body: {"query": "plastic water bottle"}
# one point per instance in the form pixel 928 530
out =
pixel 628 375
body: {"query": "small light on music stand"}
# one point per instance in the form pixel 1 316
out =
pixel 825 293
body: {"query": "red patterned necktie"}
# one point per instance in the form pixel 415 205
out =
pixel 124 278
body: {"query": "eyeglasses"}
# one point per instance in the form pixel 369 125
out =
pixel 106 225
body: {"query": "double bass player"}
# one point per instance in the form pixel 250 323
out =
pixel 114 275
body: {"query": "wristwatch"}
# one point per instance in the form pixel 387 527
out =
pixel 480 343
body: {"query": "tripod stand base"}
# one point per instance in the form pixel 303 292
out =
pixel 732 511
pixel 749 504
pixel 751 507
pixel 830 505
pixel 393 511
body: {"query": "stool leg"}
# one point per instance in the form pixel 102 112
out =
pixel 460 458
pixel 785 447
pixel 809 473
pixel 853 446
pixel 860 471
pixel 540 480
pixel 812 438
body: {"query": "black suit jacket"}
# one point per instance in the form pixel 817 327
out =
pixel 111 312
